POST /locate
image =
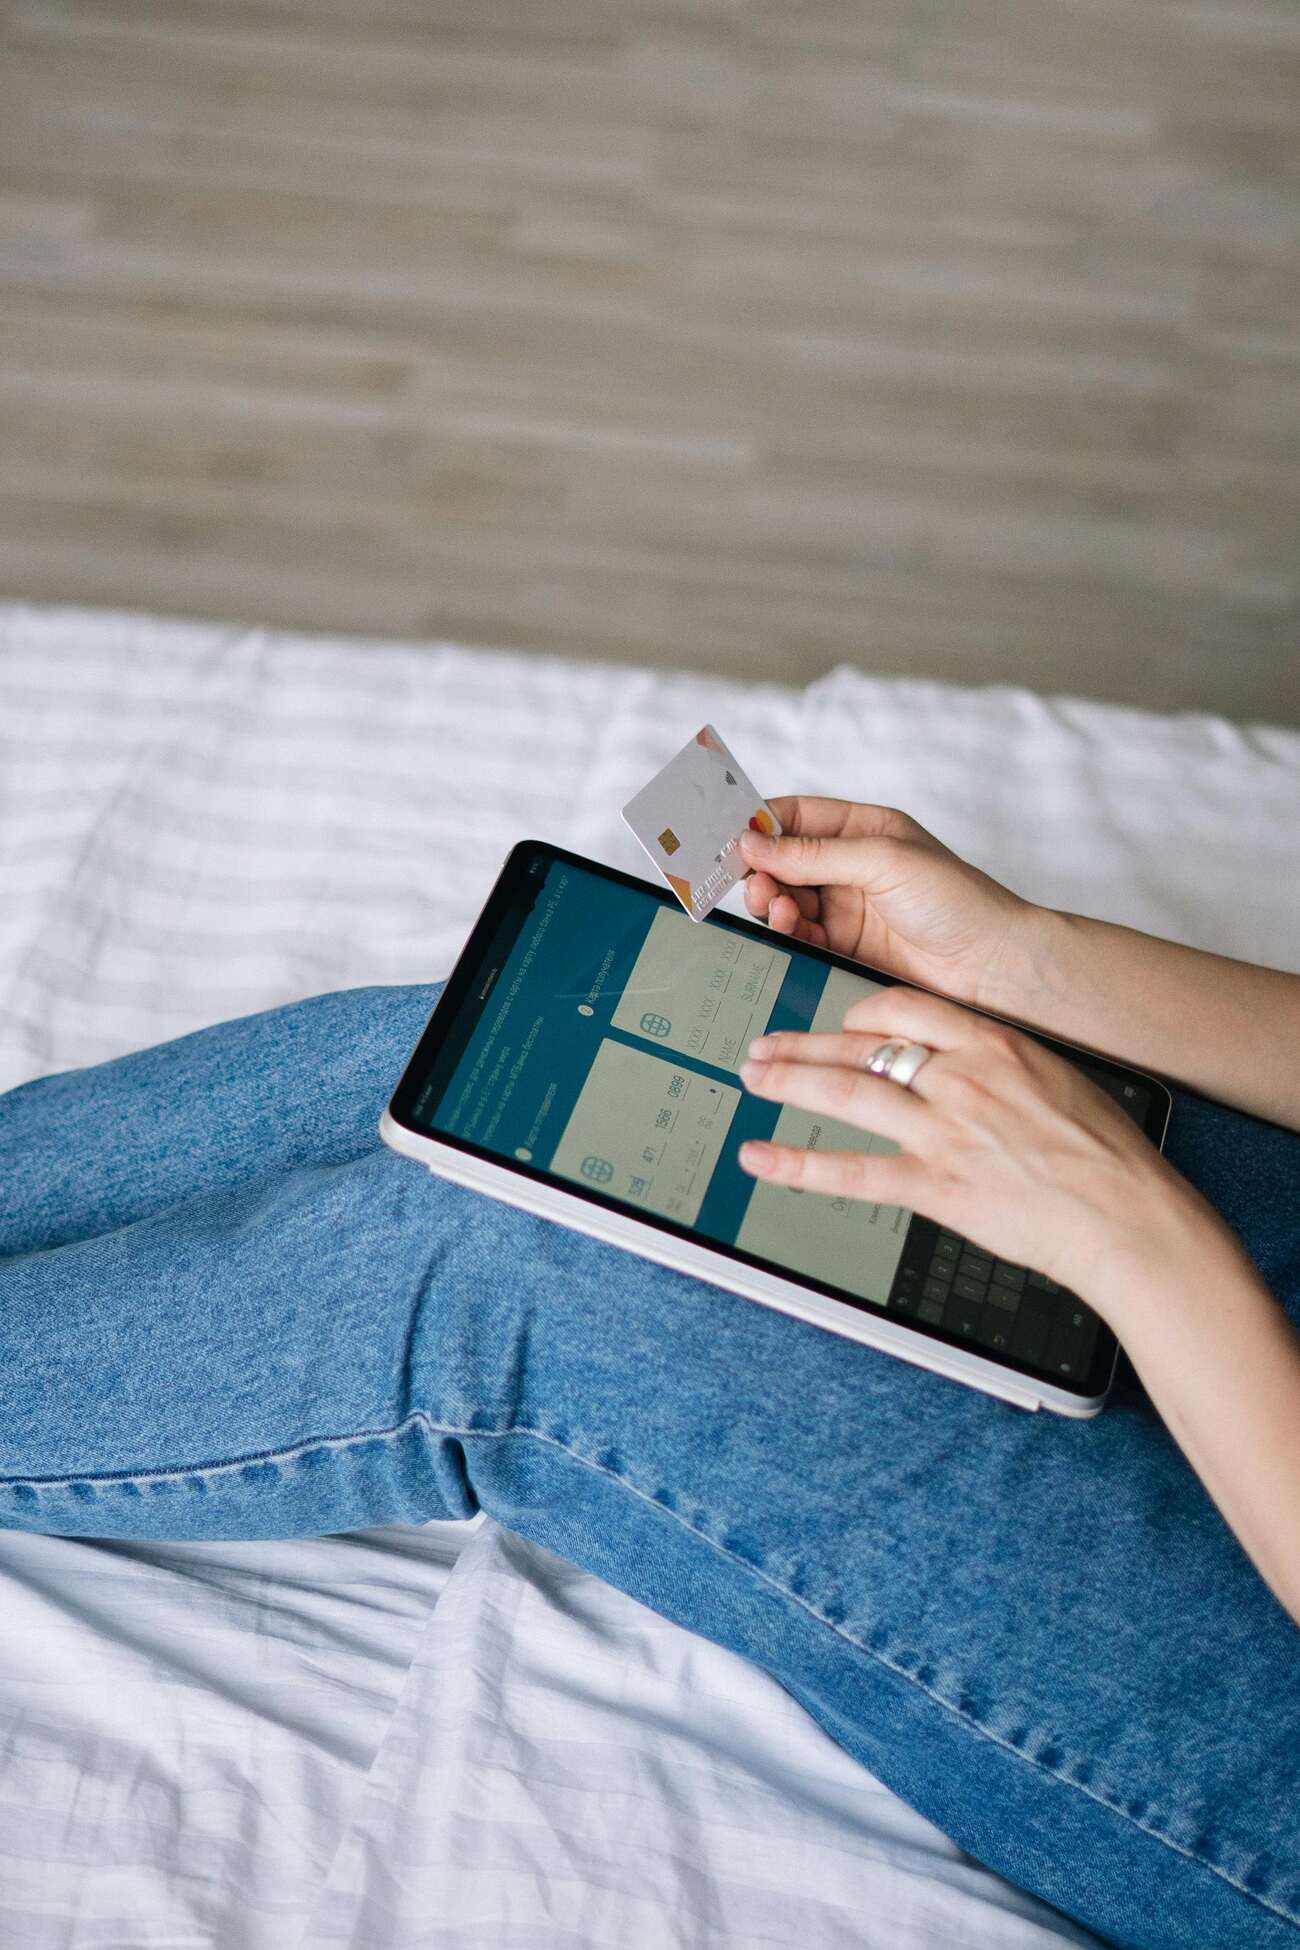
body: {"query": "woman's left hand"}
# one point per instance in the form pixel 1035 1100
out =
pixel 998 1138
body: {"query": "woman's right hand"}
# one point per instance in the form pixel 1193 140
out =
pixel 868 882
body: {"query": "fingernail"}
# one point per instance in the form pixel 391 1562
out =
pixel 755 1155
pixel 757 844
pixel 753 1072
pixel 760 1047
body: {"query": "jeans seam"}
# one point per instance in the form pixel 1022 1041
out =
pixel 117 1476
pixel 793 1597
pixel 653 1503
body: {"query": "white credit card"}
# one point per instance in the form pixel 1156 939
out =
pixel 690 818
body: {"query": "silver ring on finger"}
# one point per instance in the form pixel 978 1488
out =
pixel 899 1062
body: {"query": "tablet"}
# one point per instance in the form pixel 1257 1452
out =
pixel 582 1062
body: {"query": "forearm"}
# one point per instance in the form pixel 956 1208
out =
pixel 1223 1027
pixel 1221 1362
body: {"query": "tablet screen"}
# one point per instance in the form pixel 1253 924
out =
pixel 594 1036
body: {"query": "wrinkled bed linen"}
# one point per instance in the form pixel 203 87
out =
pixel 445 1736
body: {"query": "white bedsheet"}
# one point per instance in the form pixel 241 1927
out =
pixel 442 1736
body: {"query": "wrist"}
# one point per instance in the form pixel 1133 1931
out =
pixel 1170 1242
pixel 1025 978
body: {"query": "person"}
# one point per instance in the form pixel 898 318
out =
pixel 227 1310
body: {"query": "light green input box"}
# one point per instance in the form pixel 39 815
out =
pixel 700 990
pixel 647 1130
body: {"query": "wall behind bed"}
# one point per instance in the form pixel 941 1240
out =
pixel 960 340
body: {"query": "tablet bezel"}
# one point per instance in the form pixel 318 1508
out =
pixel 458 1011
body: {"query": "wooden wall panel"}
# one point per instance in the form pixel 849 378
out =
pixel 960 340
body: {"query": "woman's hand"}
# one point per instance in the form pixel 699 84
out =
pixel 1012 1146
pixel 999 1138
pixel 870 883
pixel 1009 1144
pixel 867 881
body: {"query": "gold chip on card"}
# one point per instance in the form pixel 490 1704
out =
pixel 693 813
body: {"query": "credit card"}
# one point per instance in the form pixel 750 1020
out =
pixel 690 818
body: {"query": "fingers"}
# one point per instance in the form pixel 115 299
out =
pixel 804 860
pixel 846 1052
pixel 789 910
pixel 827 818
pixel 761 890
pixel 915 1016
pixel 784 916
pixel 871 1103
pixel 881 1179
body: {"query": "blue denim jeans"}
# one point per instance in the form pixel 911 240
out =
pixel 227 1311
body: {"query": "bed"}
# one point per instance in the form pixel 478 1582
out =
pixel 442 1735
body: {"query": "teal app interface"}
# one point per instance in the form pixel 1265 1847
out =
pixel 607 1053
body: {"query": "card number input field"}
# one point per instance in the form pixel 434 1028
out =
pixel 852 1243
pixel 646 1130
pixel 700 990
